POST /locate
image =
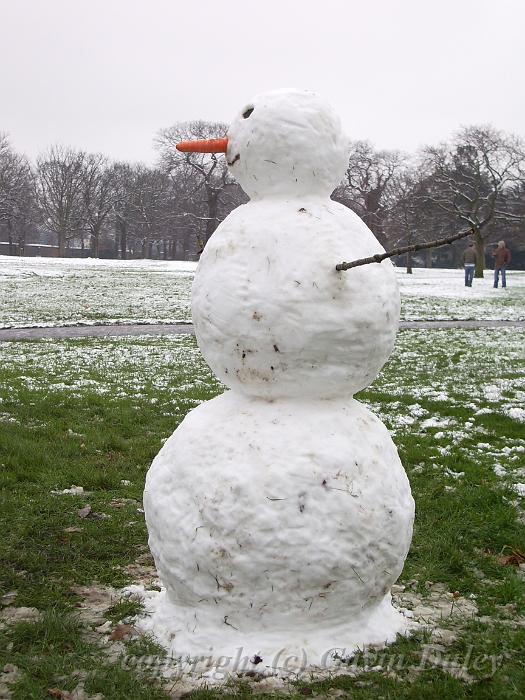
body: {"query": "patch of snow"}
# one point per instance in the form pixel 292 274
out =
pixel 520 489
pixel 73 491
pixel 435 422
pixel 516 413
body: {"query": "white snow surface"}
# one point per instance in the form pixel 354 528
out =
pixel 38 292
pixel 279 514
pixel 284 528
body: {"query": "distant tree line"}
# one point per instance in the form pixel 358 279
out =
pixel 83 203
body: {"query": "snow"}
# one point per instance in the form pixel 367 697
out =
pixel 438 294
pixel 63 291
pixel 279 513
pixel 449 283
pixel 435 422
pixel 517 413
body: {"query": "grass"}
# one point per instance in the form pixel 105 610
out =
pixel 95 412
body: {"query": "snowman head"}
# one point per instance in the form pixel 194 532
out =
pixel 284 143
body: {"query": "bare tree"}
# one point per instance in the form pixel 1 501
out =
pixel 122 206
pixel 59 185
pixel 405 218
pixel 368 187
pixel 211 192
pixel 471 177
pixel 150 206
pixel 98 196
pixel 16 202
pixel 411 217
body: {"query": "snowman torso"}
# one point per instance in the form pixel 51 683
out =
pixel 273 317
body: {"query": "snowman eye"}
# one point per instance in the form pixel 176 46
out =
pixel 247 112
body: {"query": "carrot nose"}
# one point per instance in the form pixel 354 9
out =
pixel 203 146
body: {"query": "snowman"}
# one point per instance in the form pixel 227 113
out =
pixel 279 513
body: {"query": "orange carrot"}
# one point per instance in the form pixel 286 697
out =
pixel 203 146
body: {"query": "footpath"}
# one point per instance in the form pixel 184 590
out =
pixel 115 330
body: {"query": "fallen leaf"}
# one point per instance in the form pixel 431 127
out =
pixel 73 529
pixel 514 559
pixel 57 693
pixel 87 512
pixel 84 512
pixel 99 516
pixel 122 502
pixel 120 632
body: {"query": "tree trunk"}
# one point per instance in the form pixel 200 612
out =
pixel 429 258
pixel 61 243
pixel 123 240
pixel 211 223
pixel 121 233
pixel 22 241
pixel 409 263
pixel 10 235
pixel 480 253
pixel 116 244
pixel 456 257
pixel 94 243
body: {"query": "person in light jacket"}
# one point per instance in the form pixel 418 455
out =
pixel 469 263
pixel 501 255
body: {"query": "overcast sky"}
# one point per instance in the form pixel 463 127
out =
pixel 105 75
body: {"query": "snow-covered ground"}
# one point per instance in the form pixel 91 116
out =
pixel 437 294
pixel 61 291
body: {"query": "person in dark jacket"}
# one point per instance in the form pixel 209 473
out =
pixel 501 255
pixel 469 263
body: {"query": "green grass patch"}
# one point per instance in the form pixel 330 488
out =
pixel 94 413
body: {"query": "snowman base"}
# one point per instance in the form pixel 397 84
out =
pixel 218 652
pixel 278 529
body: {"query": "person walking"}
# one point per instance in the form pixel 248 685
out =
pixel 469 263
pixel 501 255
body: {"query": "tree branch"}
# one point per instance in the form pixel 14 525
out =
pixel 379 257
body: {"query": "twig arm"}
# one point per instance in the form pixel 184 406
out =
pixel 379 257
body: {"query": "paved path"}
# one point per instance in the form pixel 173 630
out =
pixel 173 329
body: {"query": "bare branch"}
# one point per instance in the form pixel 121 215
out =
pixel 379 257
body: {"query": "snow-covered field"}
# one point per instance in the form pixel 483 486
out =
pixel 436 294
pixel 60 291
